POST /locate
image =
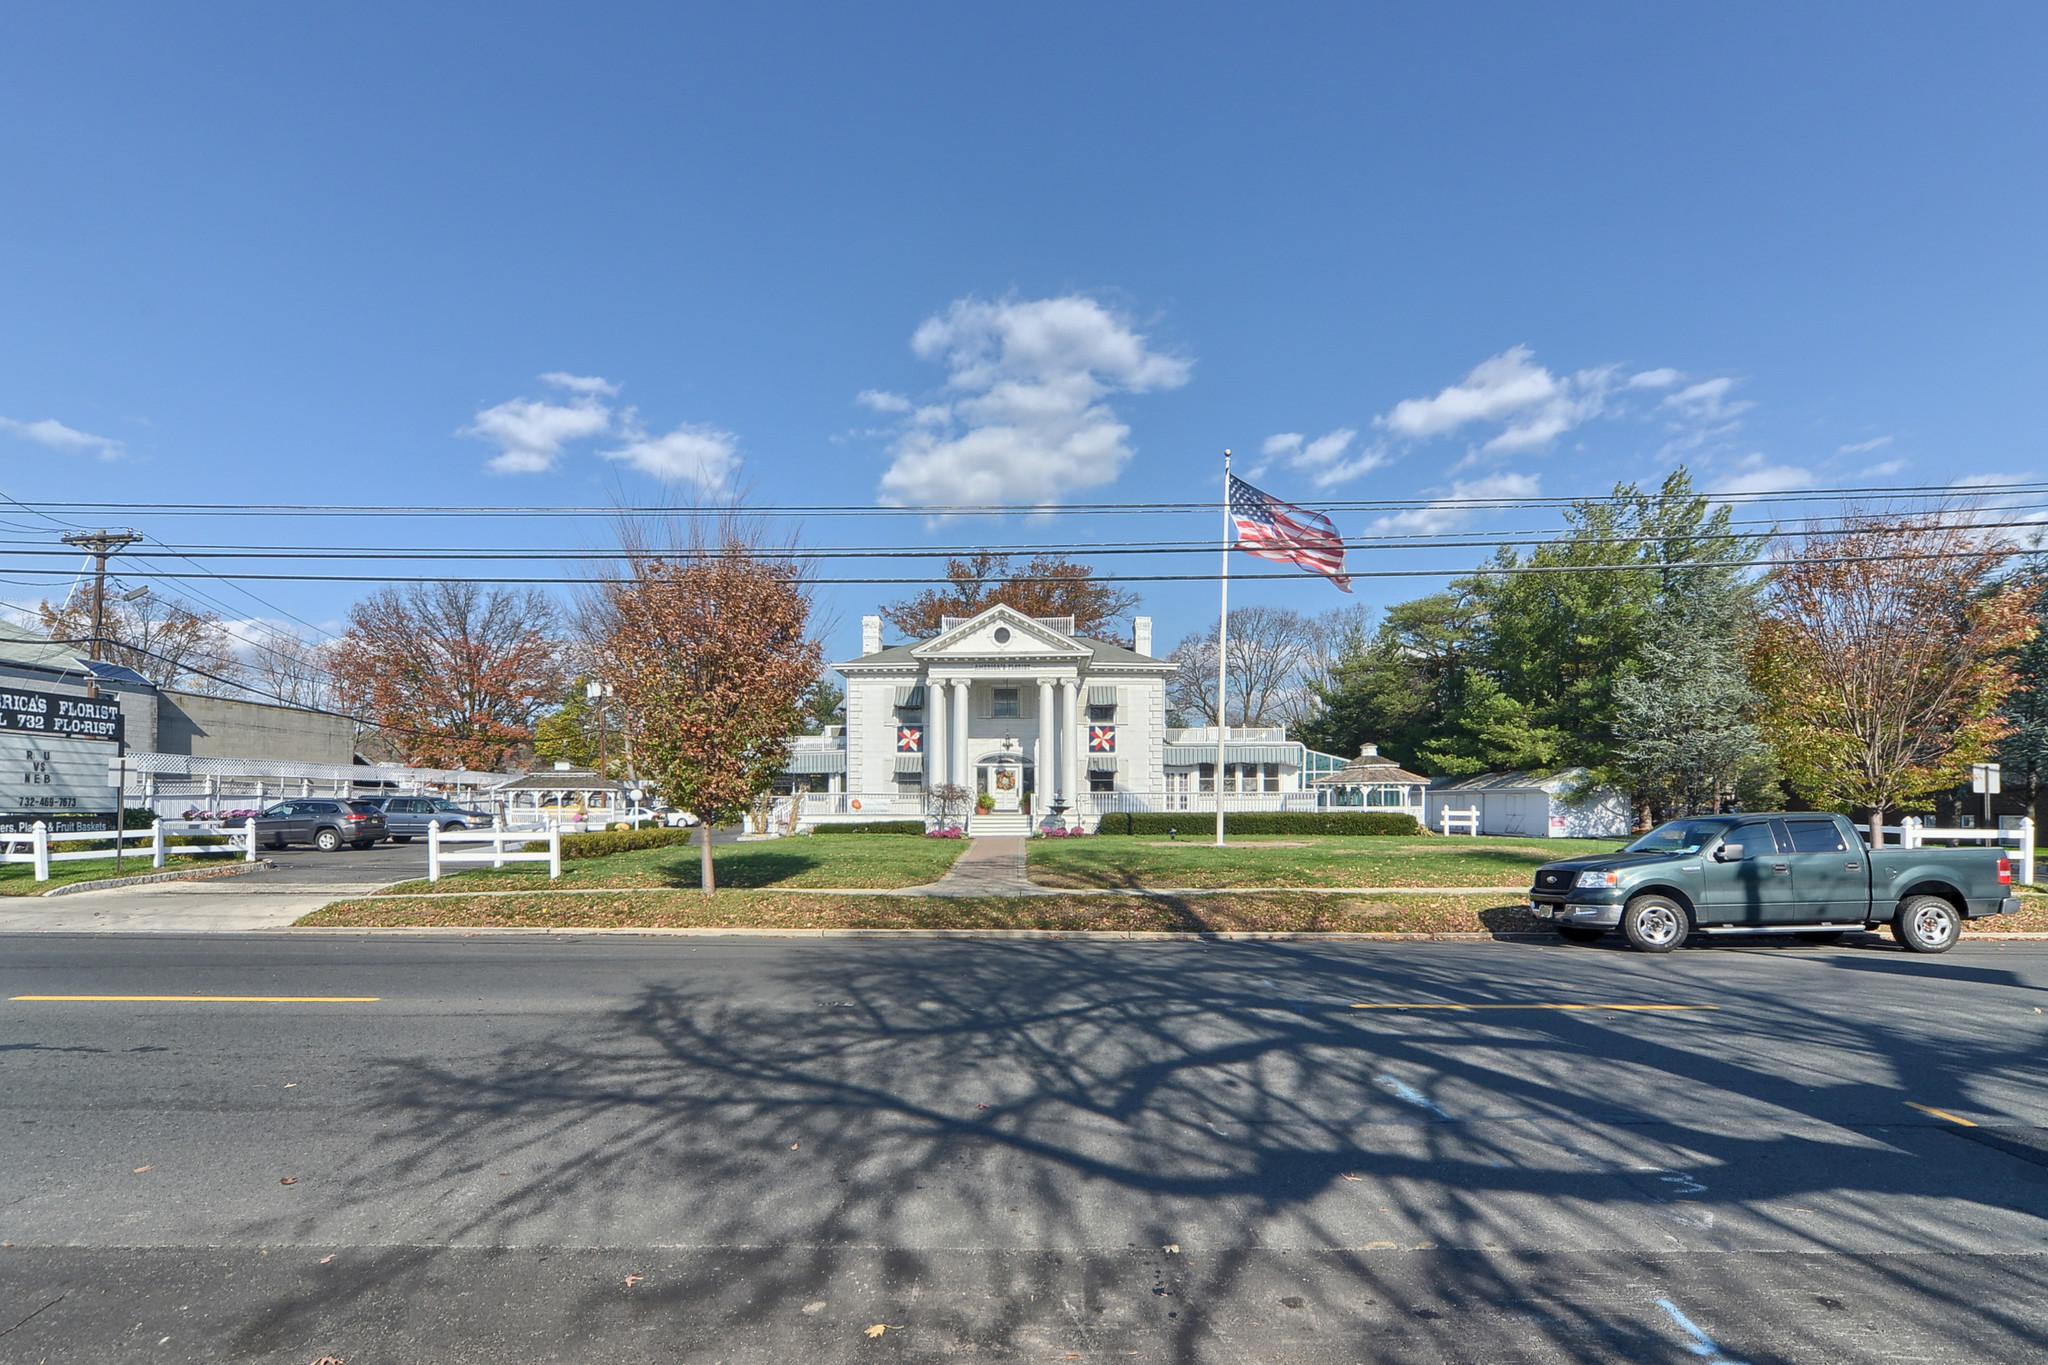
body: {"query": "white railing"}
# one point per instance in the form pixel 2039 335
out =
pixel 496 854
pixel 1115 803
pixel 40 854
pixel 815 804
pixel 1458 821
pixel 1234 734
pixel 1914 833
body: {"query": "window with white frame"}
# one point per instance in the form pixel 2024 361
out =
pixel 1004 703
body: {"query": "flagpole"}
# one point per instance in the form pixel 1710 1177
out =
pixel 1223 653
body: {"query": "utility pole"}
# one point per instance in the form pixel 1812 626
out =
pixel 99 544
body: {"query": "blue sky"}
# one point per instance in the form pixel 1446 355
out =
pixel 538 256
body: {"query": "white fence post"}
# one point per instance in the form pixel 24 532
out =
pixel 156 842
pixel 41 833
pixel 497 842
pixel 249 838
pixel 554 853
pixel 433 850
pixel 2026 850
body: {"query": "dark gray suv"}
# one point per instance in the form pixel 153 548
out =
pixel 326 824
pixel 407 817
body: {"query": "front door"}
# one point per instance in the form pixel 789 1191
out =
pixel 1006 785
pixel 1754 889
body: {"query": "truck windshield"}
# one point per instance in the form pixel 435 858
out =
pixel 1678 836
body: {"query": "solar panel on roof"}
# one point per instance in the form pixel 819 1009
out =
pixel 109 672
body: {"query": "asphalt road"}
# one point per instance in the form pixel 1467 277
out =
pixel 649 1149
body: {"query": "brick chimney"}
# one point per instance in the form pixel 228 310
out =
pixel 870 635
pixel 1141 635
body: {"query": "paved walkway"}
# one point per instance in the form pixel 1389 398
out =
pixel 989 867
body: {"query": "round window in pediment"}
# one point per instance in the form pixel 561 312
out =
pixel 1002 635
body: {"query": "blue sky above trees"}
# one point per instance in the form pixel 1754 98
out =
pixel 548 255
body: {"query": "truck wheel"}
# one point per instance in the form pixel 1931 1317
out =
pixel 1579 933
pixel 1655 924
pixel 1927 924
pixel 327 840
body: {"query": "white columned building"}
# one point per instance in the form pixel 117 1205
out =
pixel 1039 724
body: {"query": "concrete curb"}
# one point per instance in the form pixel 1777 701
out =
pixel 195 874
pixel 925 890
pixel 1054 935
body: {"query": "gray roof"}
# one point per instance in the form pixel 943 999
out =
pixel 18 646
pixel 1101 654
pixel 1369 772
pixel 1510 781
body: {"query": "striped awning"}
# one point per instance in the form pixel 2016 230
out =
pixel 909 763
pixel 1101 763
pixel 1190 755
pixel 815 761
pixel 910 696
pixel 1101 696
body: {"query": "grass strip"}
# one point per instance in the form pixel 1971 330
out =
pixel 19 879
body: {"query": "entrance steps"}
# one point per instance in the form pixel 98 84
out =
pixel 999 824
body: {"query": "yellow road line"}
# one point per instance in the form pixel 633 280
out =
pixel 1940 1114
pixel 1534 1007
pixel 219 999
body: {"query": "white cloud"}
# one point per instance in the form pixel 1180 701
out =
pixel 1861 447
pixel 1326 460
pixel 1026 423
pixel 1449 513
pixel 700 455
pixel 1882 468
pixel 530 432
pixel 1661 378
pixel 882 401
pixel 1533 405
pixel 54 434
pixel 1707 401
pixel 1754 473
pixel 588 385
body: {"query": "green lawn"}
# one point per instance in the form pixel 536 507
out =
pixel 869 861
pixel 19 879
pixel 1149 860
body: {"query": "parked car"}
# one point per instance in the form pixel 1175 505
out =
pixel 326 824
pixel 407 817
pixel 1801 871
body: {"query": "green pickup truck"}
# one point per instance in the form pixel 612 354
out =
pixel 1803 872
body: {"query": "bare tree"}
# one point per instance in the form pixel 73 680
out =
pixel 1268 647
pixel 283 667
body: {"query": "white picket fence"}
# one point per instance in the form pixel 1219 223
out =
pixel 41 850
pixel 495 855
pixel 1465 821
pixel 1914 832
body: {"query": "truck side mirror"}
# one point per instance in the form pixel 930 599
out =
pixel 1728 853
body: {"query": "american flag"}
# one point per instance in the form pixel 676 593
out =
pixel 1272 529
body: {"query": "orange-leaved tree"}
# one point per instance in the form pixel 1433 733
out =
pixel 709 655
pixel 1882 653
pixel 454 675
pixel 1050 585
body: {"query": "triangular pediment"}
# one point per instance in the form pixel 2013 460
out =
pixel 1000 633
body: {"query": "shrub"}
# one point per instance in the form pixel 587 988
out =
pixel 605 841
pixel 1195 824
pixel 874 827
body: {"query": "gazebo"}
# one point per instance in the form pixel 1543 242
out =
pixel 565 795
pixel 1373 783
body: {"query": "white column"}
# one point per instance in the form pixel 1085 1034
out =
pixel 963 770
pixel 935 754
pixel 1069 755
pixel 1046 779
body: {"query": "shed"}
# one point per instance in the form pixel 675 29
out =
pixel 1522 804
pixel 1371 782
